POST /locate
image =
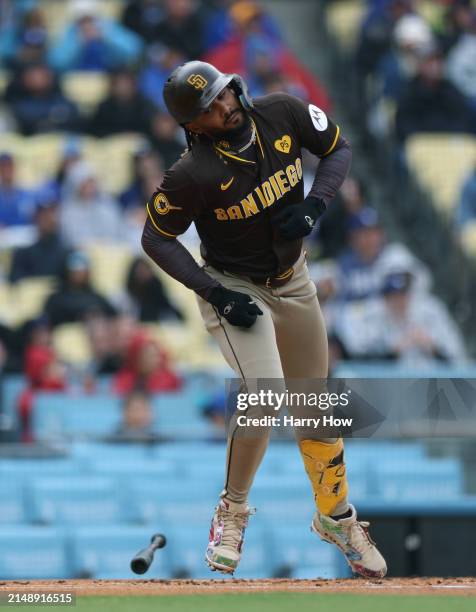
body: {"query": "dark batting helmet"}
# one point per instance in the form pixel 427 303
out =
pixel 192 87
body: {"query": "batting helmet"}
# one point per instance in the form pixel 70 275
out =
pixel 192 87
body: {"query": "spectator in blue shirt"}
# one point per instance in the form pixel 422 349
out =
pixel 16 204
pixel 26 41
pixel 46 256
pixel 161 61
pixel 37 102
pixel 95 43
pixel 369 258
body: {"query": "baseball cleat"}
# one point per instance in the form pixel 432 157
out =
pixel 352 538
pixel 227 531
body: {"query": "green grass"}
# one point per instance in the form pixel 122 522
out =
pixel 275 602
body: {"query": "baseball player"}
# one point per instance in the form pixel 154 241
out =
pixel 241 183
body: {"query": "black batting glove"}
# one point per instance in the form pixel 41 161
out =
pixel 237 308
pixel 297 220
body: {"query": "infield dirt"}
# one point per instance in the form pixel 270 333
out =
pixel 394 586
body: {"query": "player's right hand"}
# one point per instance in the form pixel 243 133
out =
pixel 237 308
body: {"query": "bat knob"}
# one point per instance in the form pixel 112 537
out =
pixel 159 540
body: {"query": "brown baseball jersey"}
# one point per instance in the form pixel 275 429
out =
pixel 233 197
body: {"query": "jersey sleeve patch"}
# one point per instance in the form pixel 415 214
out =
pixel 318 118
pixel 162 204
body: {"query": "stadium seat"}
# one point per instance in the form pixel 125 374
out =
pixel 60 415
pixel 106 552
pixel 13 384
pixel 468 238
pixel 24 470
pixel 343 20
pixel 33 552
pixel 78 500
pixel 96 452
pixel 72 344
pixel 36 156
pixel 109 265
pixel 187 544
pixel 256 561
pixel 173 500
pixel 122 468
pixel 12 506
pixel 441 163
pixel 180 452
pixel 279 498
pixel 178 414
pixel 293 546
pixel 7 313
pixel 87 89
pixel 29 296
pixel 111 157
pixel 430 480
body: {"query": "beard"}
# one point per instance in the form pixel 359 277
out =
pixel 234 133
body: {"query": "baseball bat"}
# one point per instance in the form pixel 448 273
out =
pixel 142 560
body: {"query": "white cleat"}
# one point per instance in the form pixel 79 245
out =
pixel 227 531
pixel 352 538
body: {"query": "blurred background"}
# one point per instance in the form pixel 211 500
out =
pixel 112 395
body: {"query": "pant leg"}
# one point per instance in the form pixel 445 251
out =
pixel 302 342
pixel 300 328
pixel 253 354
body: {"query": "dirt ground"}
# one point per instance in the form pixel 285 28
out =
pixel 403 586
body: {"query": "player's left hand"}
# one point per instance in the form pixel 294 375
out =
pixel 297 220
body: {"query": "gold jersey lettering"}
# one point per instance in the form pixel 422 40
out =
pixel 292 175
pixel 221 214
pixel 261 197
pixel 249 206
pixel 299 168
pixel 234 212
pixel 275 187
pixel 282 182
pixel 268 193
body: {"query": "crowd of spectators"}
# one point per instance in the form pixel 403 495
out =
pixel 415 73
pixel 375 294
pixel 420 64
pixel 68 212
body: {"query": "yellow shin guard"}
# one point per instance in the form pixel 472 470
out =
pixel 325 467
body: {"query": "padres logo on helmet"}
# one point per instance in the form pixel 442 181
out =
pixel 197 81
pixel 162 205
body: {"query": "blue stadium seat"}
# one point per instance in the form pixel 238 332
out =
pixel 179 414
pixel 33 552
pixel 256 561
pixel 97 451
pixel 24 470
pixel 433 479
pixel 78 500
pixel 133 468
pixel 280 498
pixel 12 506
pixel 187 544
pixel 293 546
pixel 191 451
pixel 173 500
pixel 58 415
pixel 12 386
pixel 366 453
pixel 106 552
